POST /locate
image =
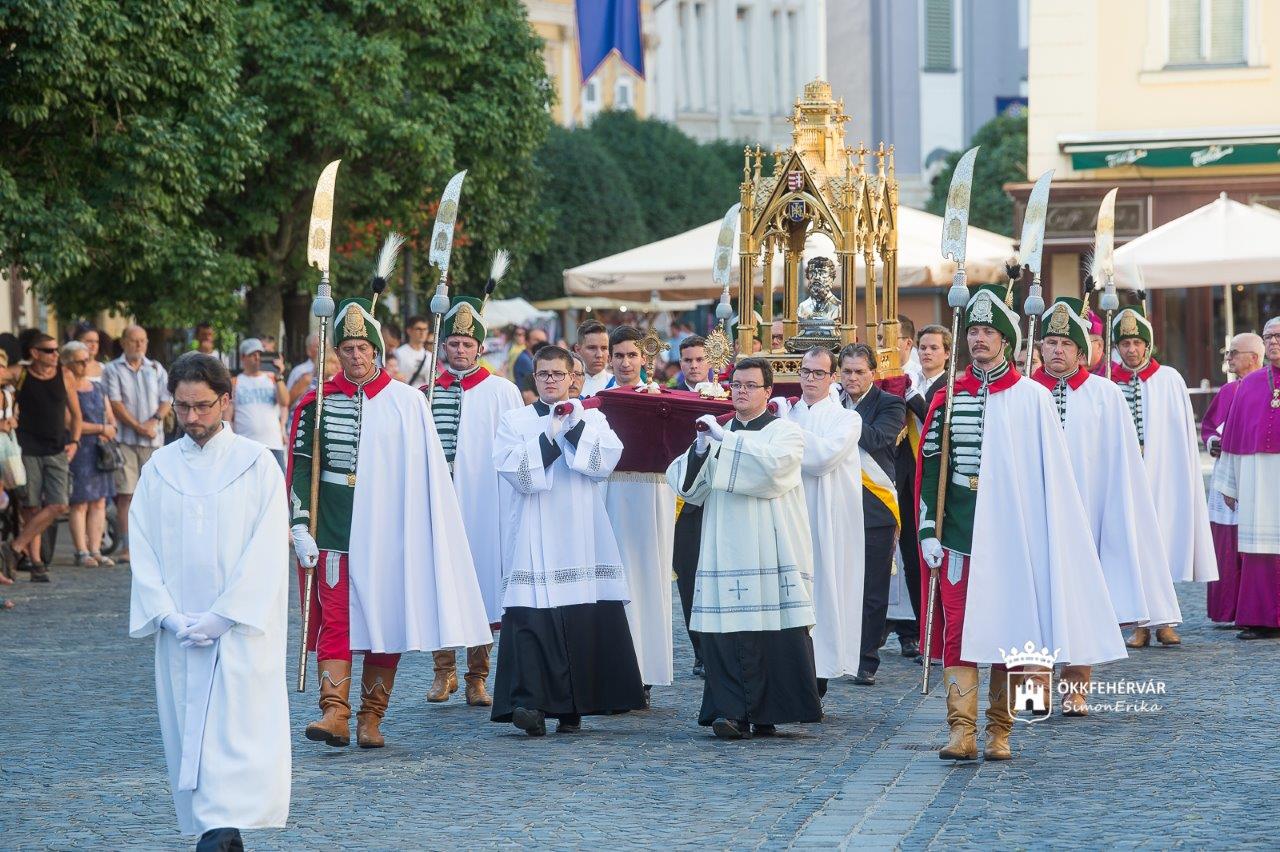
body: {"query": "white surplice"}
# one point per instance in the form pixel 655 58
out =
pixel 755 564
pixel 642 511
pixel 562 550
pixel 832 474
pixel 483 497
pixel 1171 451
pixel 208 532
pixel 413 583
pixel 1103 444
pixel 1034 574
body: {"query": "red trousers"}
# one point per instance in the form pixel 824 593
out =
pixel 330 634
pixel 952 597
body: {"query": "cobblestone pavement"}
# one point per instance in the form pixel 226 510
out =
pixel 81 764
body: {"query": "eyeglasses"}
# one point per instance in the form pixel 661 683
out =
pixel 746 386
pixel 201 408
pixel 47 351
pixel 79 362
pixel 420 328
pixel 806 373
pixel 1271 337
pixel 551 376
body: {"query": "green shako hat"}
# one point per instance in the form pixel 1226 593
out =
pixel 1065 319
pixel 988 306
pixel 354 321
pixel 464 318
pixel 1131 323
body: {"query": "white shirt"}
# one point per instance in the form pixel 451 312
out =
pixel 408 360
pixel 592 385
pixel 257 416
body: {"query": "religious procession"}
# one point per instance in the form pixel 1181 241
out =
pixel 871 525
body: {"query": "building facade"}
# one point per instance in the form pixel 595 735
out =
pixel 613 86
pixel 1174 102
pixel 732 69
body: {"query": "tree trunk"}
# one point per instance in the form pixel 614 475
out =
pixel 264 307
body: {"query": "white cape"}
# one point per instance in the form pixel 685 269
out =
pixel 413 584
pixel 1103 444
pixel 642 511
pixel 484 497
pixel 1172 455
pixel 546 567
pixel 1034 575
pixel 209 532
pixel 832 474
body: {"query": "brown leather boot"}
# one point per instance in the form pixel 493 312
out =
pixel 477 671
pixel 1168 636
pixel 999 719
pixel 1075 702
pixel 446 682
pixel 334 727
pixel 1140 639
pixel 375 692
pixel 961 684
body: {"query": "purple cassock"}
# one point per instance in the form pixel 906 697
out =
pixel 1253 430
pixel 1220 596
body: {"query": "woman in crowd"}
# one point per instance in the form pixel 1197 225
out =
pixel 92 339
pixel 90 487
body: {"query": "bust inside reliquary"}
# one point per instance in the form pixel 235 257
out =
pixel 819 313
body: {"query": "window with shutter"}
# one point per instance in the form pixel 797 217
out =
pixel 1206 32
pixel 939 35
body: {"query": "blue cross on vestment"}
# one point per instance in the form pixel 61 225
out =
pixel 787 585
pixel 737 588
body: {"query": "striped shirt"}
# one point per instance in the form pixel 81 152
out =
pixel 446 410
pixel 142 391
pixel 1133 395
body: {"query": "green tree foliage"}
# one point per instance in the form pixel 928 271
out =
pixel 119 121
pixel 1003 159
pixel 624 181
pixel 590 207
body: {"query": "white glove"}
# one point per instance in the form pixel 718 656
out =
pixel 304 546
pixel 206 629
pixel 714 429
pixel 574 417
pixel 931 550
pixel 176 622
pixel 782 406
pixel 703 443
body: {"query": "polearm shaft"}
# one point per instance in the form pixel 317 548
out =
pixel 956 298
pixel 318 237
pixel 439 304
pixel 1034 307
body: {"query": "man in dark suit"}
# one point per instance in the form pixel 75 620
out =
pixel 883 417
pixel 932 346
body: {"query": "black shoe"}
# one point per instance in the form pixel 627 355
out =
pixel 647 687
pixel 764 730
pixel 864 678
pixel 728 729
pixel 39 574
pixel 699 670
pixel 569 724
pixel 220 840
pixel 532 722
pixel 1250 633
pixel 910 648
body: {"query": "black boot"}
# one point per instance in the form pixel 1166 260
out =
pixel 532 722
pixel 220 840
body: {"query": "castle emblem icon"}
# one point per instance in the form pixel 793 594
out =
pixel 1030 695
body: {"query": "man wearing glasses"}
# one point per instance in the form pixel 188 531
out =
pixel 412 355
pixel 466 405
pixel 1161 410
pixel 1249 479
pixel 1244 356
pixel 831 471
pixel 211 583
pixel 565 649
pixel 49 425
pixel 753 598
pixel 137 388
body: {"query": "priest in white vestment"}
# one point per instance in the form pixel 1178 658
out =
pixel 1112 481
pixel 753 597
pixel 642 509
pixel 565 648
pixel 466 404
pixel 209 530
pixel 832 474
pixel 1161 410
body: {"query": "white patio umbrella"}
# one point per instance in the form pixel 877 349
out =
pixel 679 267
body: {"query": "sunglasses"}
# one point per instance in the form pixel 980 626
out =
pixel 52 351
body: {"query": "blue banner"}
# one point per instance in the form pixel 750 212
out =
pixel 605 27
